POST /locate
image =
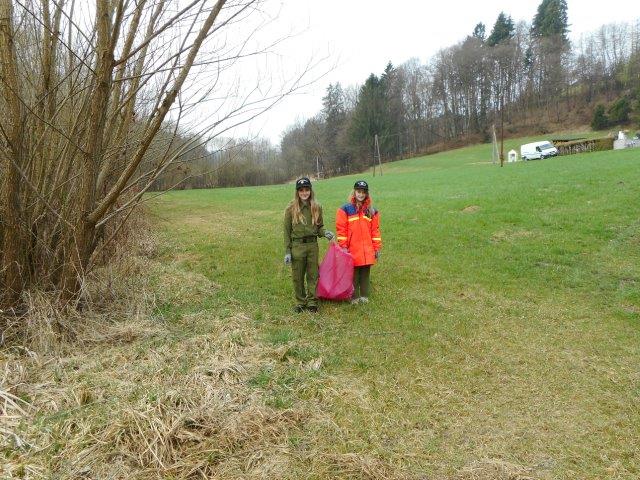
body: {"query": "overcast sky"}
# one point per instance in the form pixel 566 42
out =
pixel 359 37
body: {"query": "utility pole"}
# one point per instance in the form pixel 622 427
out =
pixel 494 146
pixel 376 152
pixel 502 129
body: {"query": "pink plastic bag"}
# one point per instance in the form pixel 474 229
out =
pixel 336 275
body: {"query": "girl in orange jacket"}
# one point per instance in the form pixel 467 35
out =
pixel 358 231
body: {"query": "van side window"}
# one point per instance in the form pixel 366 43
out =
pixel 537 149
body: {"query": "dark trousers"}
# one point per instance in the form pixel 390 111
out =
pixel 361 281
pixel 304 263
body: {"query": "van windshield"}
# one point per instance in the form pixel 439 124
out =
pixel 546 146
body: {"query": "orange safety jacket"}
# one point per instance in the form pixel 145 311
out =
pixel 358 230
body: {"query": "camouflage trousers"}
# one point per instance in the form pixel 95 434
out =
pixel 304 263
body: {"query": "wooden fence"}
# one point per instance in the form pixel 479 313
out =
pixel 582 145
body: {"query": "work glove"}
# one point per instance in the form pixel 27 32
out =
pixel 378 253
pixel 287 259
pixel 329 235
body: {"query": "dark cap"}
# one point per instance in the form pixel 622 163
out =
pixel 361 185
pixel 303 182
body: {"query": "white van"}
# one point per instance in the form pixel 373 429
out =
pixel 538 150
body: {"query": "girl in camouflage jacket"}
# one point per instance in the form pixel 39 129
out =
pixel 303 225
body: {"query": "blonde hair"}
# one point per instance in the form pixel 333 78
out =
pixel 352 196
pixel 296 209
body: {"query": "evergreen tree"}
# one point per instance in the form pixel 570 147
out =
pixel 334 115
pixel 549 36
pixel 370 116
pixel 480 31
pixel 393 84
pixel 528 57
pixel 503 30
pixel 333 103
pixel 619 111
pixel 600 120
pixel 551 20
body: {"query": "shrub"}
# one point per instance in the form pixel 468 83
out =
pixel 619 111
pixel 601 144
pixel 600 120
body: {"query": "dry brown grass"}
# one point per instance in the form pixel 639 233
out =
pixel 512 235
pixel 131 402
pixel 494 470
pixel 471 209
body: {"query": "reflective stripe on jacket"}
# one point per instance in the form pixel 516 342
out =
pixel 359 231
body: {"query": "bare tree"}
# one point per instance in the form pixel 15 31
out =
pixel 86 88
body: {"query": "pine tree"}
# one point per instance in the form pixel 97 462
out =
pixel 370 115
pixel 600 120
pixel 619 111
pixel 528 57
pixel 480 31
pixel 551 20
pixel 334 115
pixel 394 120
pixel 503 30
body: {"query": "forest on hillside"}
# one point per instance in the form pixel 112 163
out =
pixel 526 74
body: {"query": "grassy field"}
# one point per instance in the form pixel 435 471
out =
pixel 503 335
pixel 502 340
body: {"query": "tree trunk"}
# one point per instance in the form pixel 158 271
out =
pixel 82 240
pixel 11 279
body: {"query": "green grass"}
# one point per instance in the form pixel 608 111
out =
pixel 507 333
